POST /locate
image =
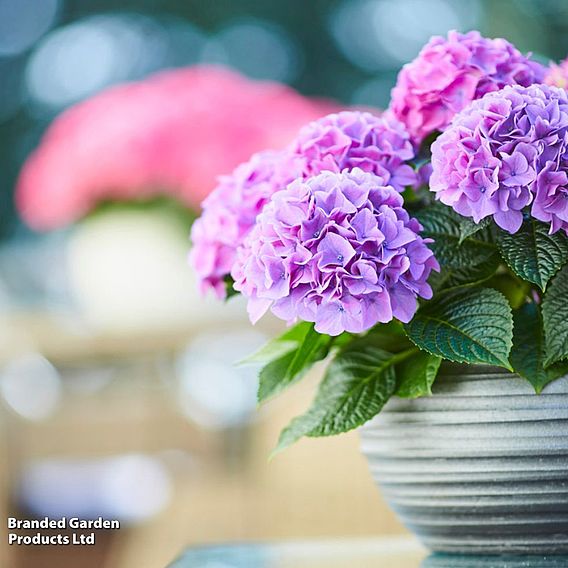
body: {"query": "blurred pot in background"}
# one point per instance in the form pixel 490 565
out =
pixel 127 270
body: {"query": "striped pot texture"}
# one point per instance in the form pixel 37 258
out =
pixel 481 467
pixel 454 561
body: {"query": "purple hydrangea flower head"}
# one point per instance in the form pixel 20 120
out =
pixel 230 211
pixel 337 249
pixel 333 143
pixel 505 152
pixel 350 139
pixel 450 73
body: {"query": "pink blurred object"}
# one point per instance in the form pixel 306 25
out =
pixel 557 75
pixel 170 134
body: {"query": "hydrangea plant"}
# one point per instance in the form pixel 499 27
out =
pixel 387 270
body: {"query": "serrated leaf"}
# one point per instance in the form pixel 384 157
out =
pixel 279 346
pixel 469 227
pixel 533 254
pixel 443 225
pixel 356 386
pixel 280 374
pixel 287 358
pixel 358 383
pixel 555 319
pixel 527 354
pixel 416 375
pixel 465 325
pixel 454 277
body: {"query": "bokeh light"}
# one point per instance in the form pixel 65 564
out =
pixel 135 487
pixel 404 26
pixel 79 59
pixel 212 390
pixel 23 22
pixel 130 488
pixel 352 26
pixel 31 386
pixel 374 92
pixel 257 48
pixel 382 34
pixel 185 42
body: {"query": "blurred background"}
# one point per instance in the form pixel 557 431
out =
pixel 118 392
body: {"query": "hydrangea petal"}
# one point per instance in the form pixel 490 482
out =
pixel 367 265
pixel 484 166
pixel 451 72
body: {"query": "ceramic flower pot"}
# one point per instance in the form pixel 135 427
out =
pixel 480 467
pixel 489 561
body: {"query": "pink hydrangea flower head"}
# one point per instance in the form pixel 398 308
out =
pixel 350 139
pixel 337 249
pixel 450 73
pixel 230 211
pixel 557 75
pixel 505 152
pixel 172 133
pixel 333 143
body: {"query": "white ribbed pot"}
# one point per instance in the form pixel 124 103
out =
pixel 488 561
pixel 481 467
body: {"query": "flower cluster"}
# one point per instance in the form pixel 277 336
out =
pixel 230 211
pixel 337 249
pixel 504 152
pixel 450 73
pixel 346 140
pixel 320 232
pixel 333 143
pixel 172 133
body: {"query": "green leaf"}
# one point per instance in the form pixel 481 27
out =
pixel 410 196
pixel 279 346
pixel 533 254
pixel 469 227
pixel 555 318
pixel 390 337
pixel 444 225
pixel 454 277
pixel 465 325
pixel 287 358
pixel 527 354
pixel 416 375
pixel 512 287
pixel 229 287
pixel 426 145
pixel 358 383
